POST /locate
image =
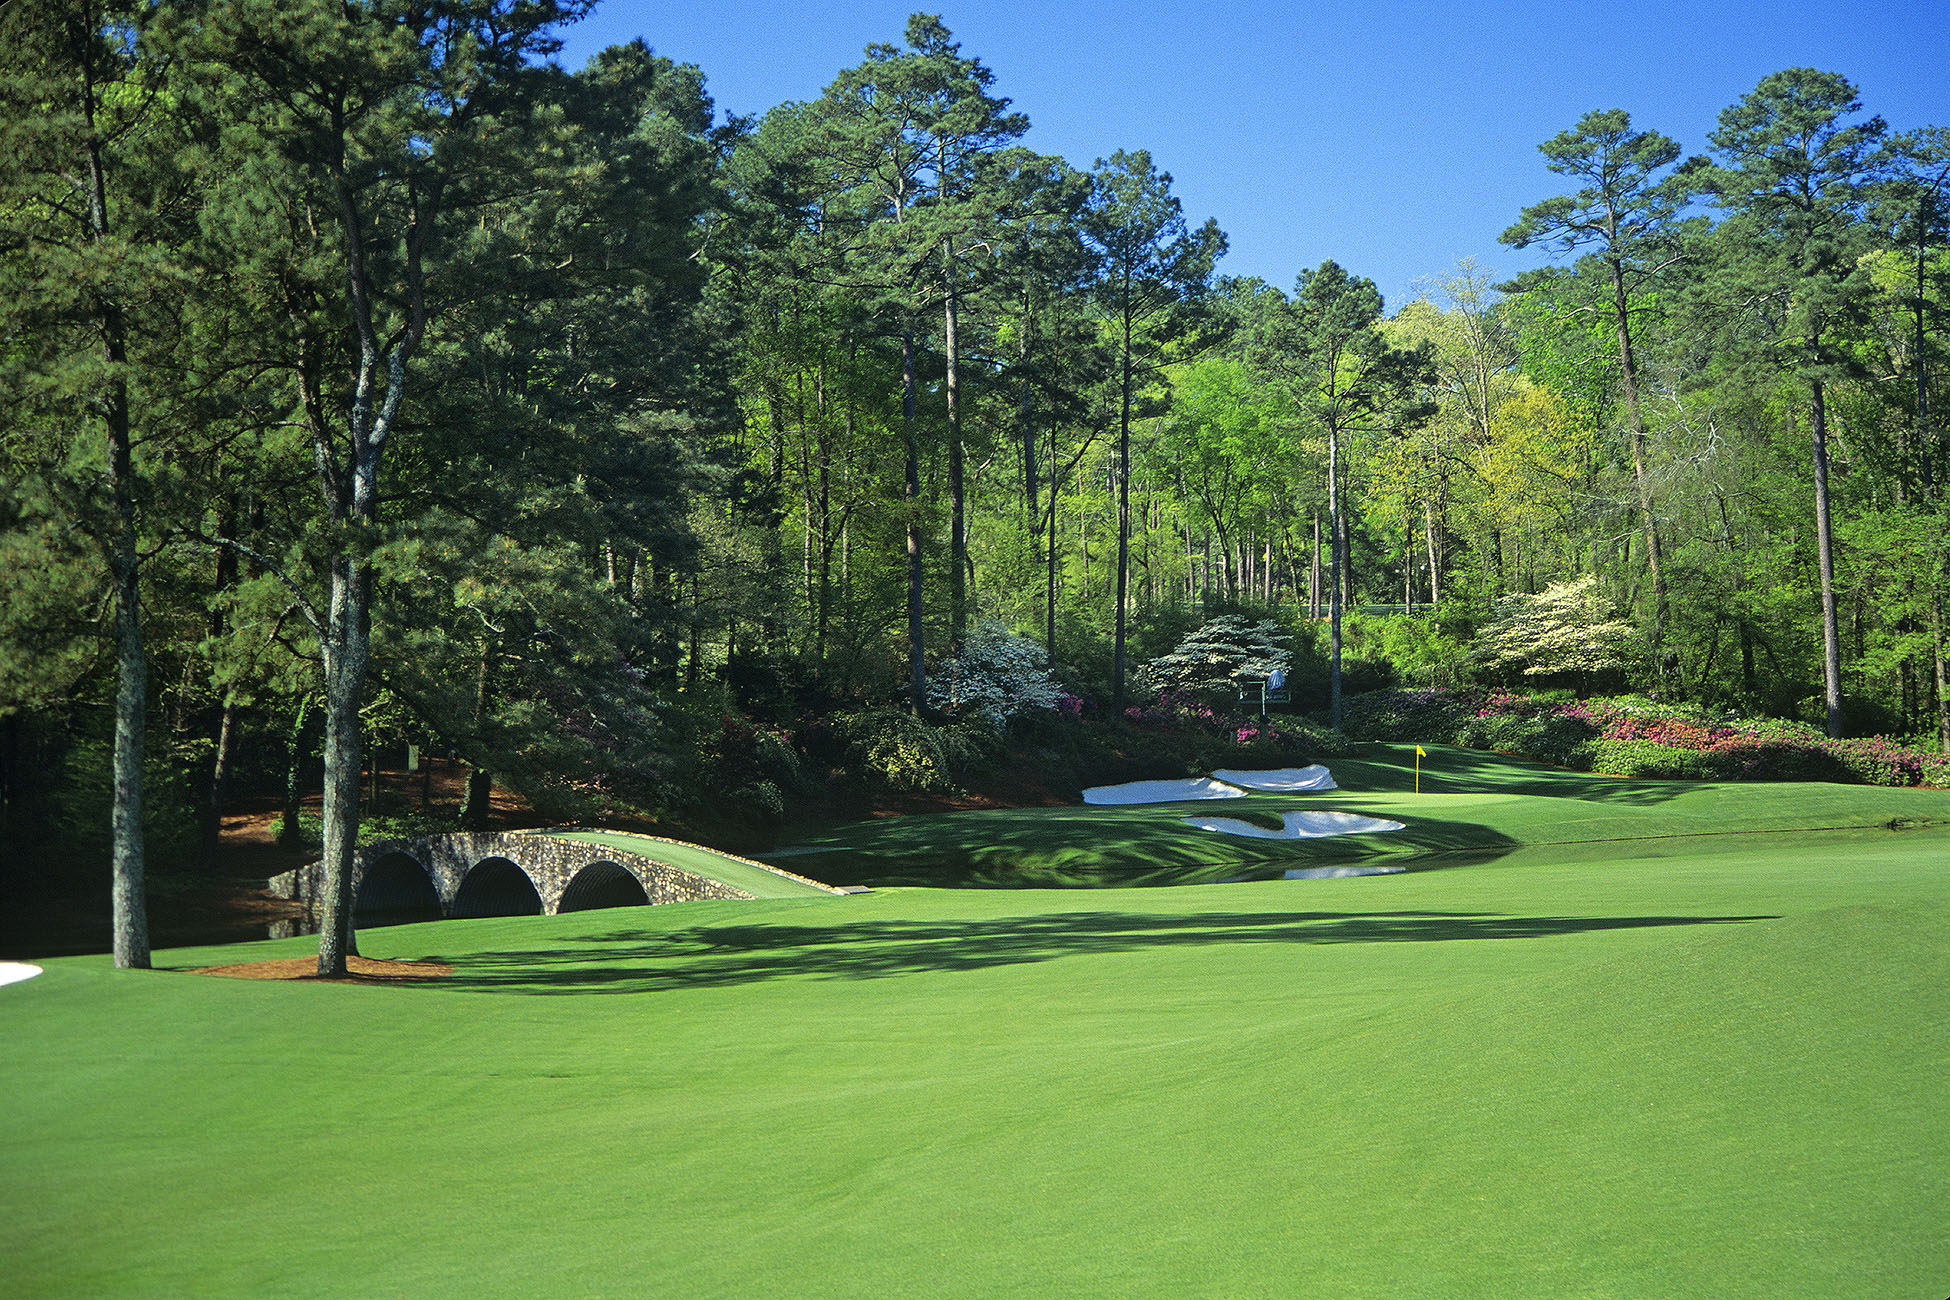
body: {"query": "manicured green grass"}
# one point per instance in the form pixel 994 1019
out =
pixel 1473 808
pixel 756 881
pixel 1712 1066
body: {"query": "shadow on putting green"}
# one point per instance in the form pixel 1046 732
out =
pixel 631 960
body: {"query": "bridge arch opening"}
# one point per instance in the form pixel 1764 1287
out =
pixel 602 884
pixel 395 890
pixel 497 887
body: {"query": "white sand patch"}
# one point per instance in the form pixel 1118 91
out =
pixel 1281 780
pixel 1341 873
pixel 12 972
pixel 1197 787
pixel 1297 826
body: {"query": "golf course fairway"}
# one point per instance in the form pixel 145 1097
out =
pixel 1694 1046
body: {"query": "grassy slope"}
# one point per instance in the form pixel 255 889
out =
pixel 1480 807
pixel 1716 1073
pixel 756 881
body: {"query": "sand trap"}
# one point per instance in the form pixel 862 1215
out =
pixel 1298 826
pixel 1197 787
pixel 1281 780
pixel 1341 873
pixel 13 972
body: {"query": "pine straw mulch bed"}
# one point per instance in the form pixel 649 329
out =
pixel 360 970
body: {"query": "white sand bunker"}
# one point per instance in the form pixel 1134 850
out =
pixel 1281 780
pixel 1197 787
pixel 12 972
pixel 1297 825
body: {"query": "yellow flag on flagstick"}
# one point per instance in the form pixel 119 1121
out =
pixel 1420 754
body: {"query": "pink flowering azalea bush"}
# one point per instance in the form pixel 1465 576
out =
pixel 1633 736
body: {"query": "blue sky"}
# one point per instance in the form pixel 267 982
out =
pixel 1395 138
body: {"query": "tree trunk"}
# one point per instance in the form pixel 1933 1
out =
pixel 130 907
pixel 289 835
pixel 127 853
pixel 1314 574
pixel 957 518
pixel 1435 554
pixel 1049 591
pixel 219 781
pixel 1408 571
pixel 917 680
pixel 1344 541
pixel 1926 471
pixel 348 655
pixel 474 809
pixel 1026 422
pixel 823 608
pixel 1336 571
pixel 1942 679
pixel 1831 633
pixel 222 741
pixel 1123 523
pixel 1635 423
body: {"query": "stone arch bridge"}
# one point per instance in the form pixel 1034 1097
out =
pixel 497 874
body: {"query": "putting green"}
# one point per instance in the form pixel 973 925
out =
pixel 1472 808
pixel 1701 1065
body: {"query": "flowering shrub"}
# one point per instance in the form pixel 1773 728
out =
pixel 1214 659
pixel 997 674
pixel 1633 736
pixel 1567 630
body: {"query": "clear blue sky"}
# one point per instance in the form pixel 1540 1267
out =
pixel 1395 138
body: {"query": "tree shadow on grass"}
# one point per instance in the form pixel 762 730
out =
pixel 633 960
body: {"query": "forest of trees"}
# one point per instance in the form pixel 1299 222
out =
pixel 367 379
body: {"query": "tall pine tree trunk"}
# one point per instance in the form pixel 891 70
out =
pixel 917 681
pixel 348 656
pixel 128 855
pixel 1049 591
pixel 1942 676
pixel 1926 452
pixel 130 907
pixel 1123 523
pixel 1336 568
pixel 1831 634
pixel 1314 573
pixel 1635 425
pixel 957 518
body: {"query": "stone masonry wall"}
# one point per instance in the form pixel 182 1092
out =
pixel 549 863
